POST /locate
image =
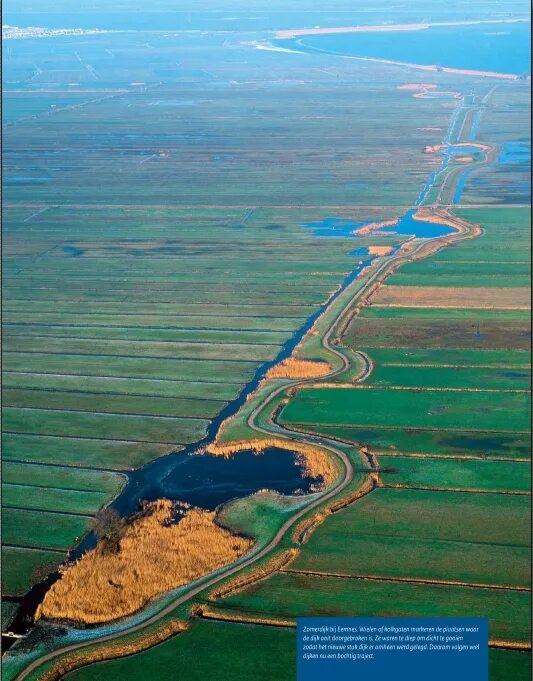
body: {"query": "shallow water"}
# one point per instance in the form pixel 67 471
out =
pixel 419 228
pixel 515 153
pixel 503 48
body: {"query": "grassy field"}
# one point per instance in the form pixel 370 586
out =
pixel 161 201
pixel 510 476
pixel 155 260
pixel 22 567
pixel 452 536
pixel 500 412
pixel 459 378
pixel 456 443
pixel 263 653
pixel 447 414
pixel 290 595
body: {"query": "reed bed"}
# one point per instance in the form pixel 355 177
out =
pixel 156 554
pixel 299 368
pixel 242 581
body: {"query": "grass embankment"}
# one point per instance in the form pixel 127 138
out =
pixel 258 652
pixel 154 555
pixel 112 650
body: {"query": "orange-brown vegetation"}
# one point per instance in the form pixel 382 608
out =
pixel 299 368
pixel 315 463
pixel 495 643
pixel 375 226
pixel 240 582
pixel 154 555
pixel 112 650
pixel 212 614
pixel 379 250
pixel 438 218
pixel 510 298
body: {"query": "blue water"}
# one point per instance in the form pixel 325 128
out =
pixel 504 48
pixel 515 152
pixel 418 228
pixel 407 225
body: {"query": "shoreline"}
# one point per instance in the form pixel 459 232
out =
pixel 381 28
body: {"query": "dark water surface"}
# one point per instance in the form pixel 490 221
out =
pixel 208 481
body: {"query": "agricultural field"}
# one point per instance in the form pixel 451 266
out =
pixel 446 409
pixel 180 207
pixel 156 262
pixel 263 652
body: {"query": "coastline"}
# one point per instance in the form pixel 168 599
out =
pixel 380 28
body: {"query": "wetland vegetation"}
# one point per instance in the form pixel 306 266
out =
pixel 181 272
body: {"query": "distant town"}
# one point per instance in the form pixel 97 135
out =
pixel 15 32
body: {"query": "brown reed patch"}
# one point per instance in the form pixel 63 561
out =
pixel 299 368
pixel 494 298
pixel 155 555
pixel 208 613
pixel 379 250
pixel 113 650
pixel 314 462
pixel 365 230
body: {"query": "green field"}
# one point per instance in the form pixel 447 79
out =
pixel 451 536
pixel 448 357
pixel 510 476
pixel 21 565
pixel 258 652
pixel 502 412
pixel 165 195
pixel 290 595
pixel 478 445
pixel 35 529
pixel 442 377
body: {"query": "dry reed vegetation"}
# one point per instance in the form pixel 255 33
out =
pixel 208 613
pixel 495 298
pixel 314 462
pixel 112 650
pixel 379 250
pixel 154 555
pixel 299 368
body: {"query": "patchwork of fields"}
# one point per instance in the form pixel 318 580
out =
pixel 116 388
pixel 149 274
pixel 446 408
pixel 166 198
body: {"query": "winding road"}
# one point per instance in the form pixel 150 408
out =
pixel 381 268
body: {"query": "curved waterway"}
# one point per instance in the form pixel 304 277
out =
pixel 208 481
pixel 203 480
